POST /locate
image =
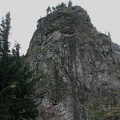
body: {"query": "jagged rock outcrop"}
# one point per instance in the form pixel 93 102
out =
pixel 79 65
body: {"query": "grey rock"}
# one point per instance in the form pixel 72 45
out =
pixel 81 68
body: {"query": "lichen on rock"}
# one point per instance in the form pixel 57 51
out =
pixel 81 68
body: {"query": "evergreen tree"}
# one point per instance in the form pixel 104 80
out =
pixel 70 3
pixel 4 67
pixel 17 102
pixel 61 6
pixel 109 35
pixel 48 10
pixel 15 50
pixel 23 106
pixel 4 35
pixel 16 83
pixel 4 50
pixel 53 8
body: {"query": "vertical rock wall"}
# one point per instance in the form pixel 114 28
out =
pixel 81 68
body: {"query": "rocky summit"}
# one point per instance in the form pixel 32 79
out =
pixel 79 68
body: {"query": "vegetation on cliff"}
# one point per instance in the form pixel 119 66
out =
pixel 85 76
pixel 71 71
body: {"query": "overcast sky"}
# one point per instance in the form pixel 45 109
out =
pixel 104 15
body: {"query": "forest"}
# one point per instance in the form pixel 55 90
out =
pixel 16 80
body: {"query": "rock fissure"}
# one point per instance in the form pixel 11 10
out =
pixel 81 68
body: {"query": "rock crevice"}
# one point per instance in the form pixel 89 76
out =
pixel 81 68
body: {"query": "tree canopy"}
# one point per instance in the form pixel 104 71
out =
pixel 16 80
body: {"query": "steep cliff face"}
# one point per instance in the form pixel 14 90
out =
pixel 79 65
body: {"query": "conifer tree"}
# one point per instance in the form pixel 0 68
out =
pixel 4 35
pixel 16 83
pixel 17 102
pixel 23 106
pixel 15 50
pixel 48 10
pixel 53 8
pixel 4 50
pixel 70 3
pixel 61 6
pixel 5 78
pixel 109 35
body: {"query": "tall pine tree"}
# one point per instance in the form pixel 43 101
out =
pixel 4 35
pixel 4 67
pixel 23 106
pixel 16 81
pixel 4 50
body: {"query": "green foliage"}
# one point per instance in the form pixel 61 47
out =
pixel 69 19
pixel 105 107
pixel 61 6
pixel 70 3
pixel 4 35
pixel 62 25
pixel 16 81
pixel 15 50
pixel 17 98
pixel 4 50
pixel 53 8
pixel 24 105
pixel 48 10
pixel 108 114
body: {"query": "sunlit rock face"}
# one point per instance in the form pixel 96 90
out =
pixel 80 68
